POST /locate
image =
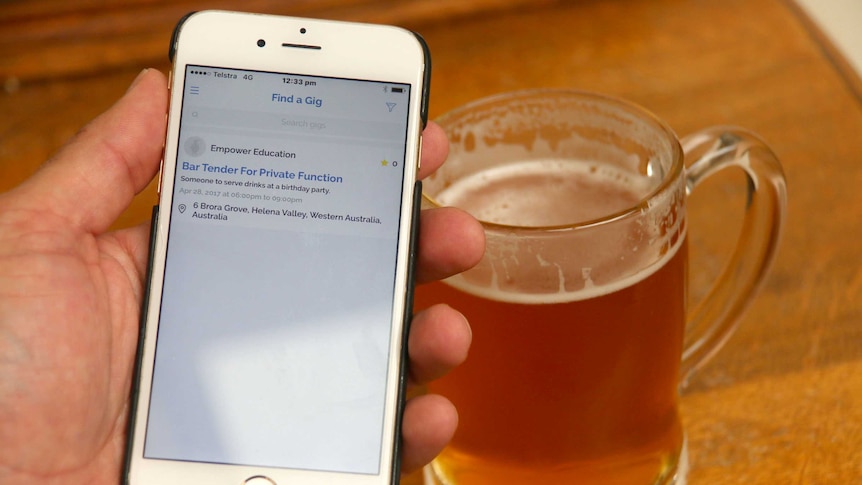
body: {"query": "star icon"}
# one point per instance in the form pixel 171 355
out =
pixel 384 163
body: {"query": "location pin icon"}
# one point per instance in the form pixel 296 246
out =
pixel 182 208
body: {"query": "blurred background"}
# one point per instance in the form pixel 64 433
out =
pixel 840 21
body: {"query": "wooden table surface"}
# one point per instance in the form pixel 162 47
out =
pixel 782 402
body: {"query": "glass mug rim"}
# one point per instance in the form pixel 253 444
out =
pixel 668 182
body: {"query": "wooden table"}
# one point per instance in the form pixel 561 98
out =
pixel 782 403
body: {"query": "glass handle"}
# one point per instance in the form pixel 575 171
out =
pixel 712 321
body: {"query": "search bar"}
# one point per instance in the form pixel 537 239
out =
pixel 295 124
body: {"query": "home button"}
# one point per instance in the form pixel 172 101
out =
pixel 259 480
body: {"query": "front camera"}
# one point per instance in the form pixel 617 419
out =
pixel 261 42
pixel 302 30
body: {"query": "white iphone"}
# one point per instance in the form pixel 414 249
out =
pixel 273 347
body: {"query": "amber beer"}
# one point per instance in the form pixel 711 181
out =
pixel 577 386
pixel 578 305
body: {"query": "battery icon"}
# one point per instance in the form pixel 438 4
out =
pixel 397 90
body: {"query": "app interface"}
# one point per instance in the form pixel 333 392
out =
pixel 279 283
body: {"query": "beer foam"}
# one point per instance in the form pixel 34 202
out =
pixel 590 290
pixel 558 192
pixel 546 192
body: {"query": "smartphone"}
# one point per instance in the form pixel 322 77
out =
pixel 272 347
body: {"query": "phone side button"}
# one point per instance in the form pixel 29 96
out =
pixel 259 480
pixel 161 169
pixel 419 154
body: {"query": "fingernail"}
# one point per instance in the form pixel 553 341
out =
pixel 137 79
pixel 467 324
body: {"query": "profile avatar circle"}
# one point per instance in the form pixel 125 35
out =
pixel 195 146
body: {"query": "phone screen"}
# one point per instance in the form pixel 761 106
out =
pixel 277 308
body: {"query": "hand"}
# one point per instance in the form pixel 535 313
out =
pixel 70 295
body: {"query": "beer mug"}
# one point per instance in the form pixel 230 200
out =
pixel 581 335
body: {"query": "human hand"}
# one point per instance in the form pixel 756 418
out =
pixel 70 297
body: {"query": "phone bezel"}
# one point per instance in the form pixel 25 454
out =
pixel 348 50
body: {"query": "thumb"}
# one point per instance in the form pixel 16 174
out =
pixel 94 177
